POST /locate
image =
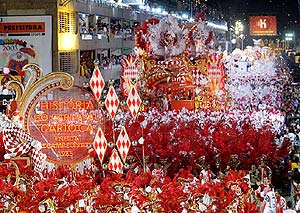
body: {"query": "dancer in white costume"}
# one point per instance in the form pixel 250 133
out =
pixel 269 203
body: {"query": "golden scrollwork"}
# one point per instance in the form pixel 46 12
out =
pixel 43 85
pixel 33 73
pixel 17 87
pixel 66 84
pixel 53 80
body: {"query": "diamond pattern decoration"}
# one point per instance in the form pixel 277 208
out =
pixel 123 144
pixel 130 66
pixel 97 82
pixel 100 144
pixel 131 71
pixel 112 102
pixel 115 163
pixel 133 101
pixel 196 72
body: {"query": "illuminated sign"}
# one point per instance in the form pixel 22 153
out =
pixel 65 121
pixel 289 35
pixel 263 25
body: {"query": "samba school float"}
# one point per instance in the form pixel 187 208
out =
pixel 181 137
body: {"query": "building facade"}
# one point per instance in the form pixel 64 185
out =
pixel 82 31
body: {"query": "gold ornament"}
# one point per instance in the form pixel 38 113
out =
pixel 50 204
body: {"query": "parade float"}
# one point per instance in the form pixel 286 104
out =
pixel 181 137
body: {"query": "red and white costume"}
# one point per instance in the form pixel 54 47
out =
pixel 159 173
pixel 270 202
pixel 280 204
pixel 205 176
pixel 262 190
pixel 17 142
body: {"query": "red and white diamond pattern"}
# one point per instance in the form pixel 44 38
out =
pixel 16 141
pixel 131 72
pixel 100 144
pixel 133 101
pixel 130 65
pixel 97 82
pixel 213 72
pixel 115 163
pixel 112 102
pixel 196 72
pixel 38 158
pixel 123 144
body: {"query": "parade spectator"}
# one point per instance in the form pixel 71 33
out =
pixel 254 177
pixel 289 208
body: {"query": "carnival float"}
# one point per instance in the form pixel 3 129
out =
pixel 181 137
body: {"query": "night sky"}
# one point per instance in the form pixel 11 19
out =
pixel 286 11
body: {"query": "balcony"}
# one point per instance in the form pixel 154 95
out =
pixel 104 9
pixel 101 41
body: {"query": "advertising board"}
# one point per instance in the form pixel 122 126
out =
pixel 263 25
pixel 26 39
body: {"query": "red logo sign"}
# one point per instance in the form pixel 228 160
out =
pixel 65 121
pixel 22 27
pixel 263 25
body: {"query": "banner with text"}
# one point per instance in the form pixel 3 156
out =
pixel 66 121
pixel 263 25
pixel 26 39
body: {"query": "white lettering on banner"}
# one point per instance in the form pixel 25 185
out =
pixel 262 23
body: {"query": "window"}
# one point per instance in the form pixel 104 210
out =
pixel 67 22
pixel 68 62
